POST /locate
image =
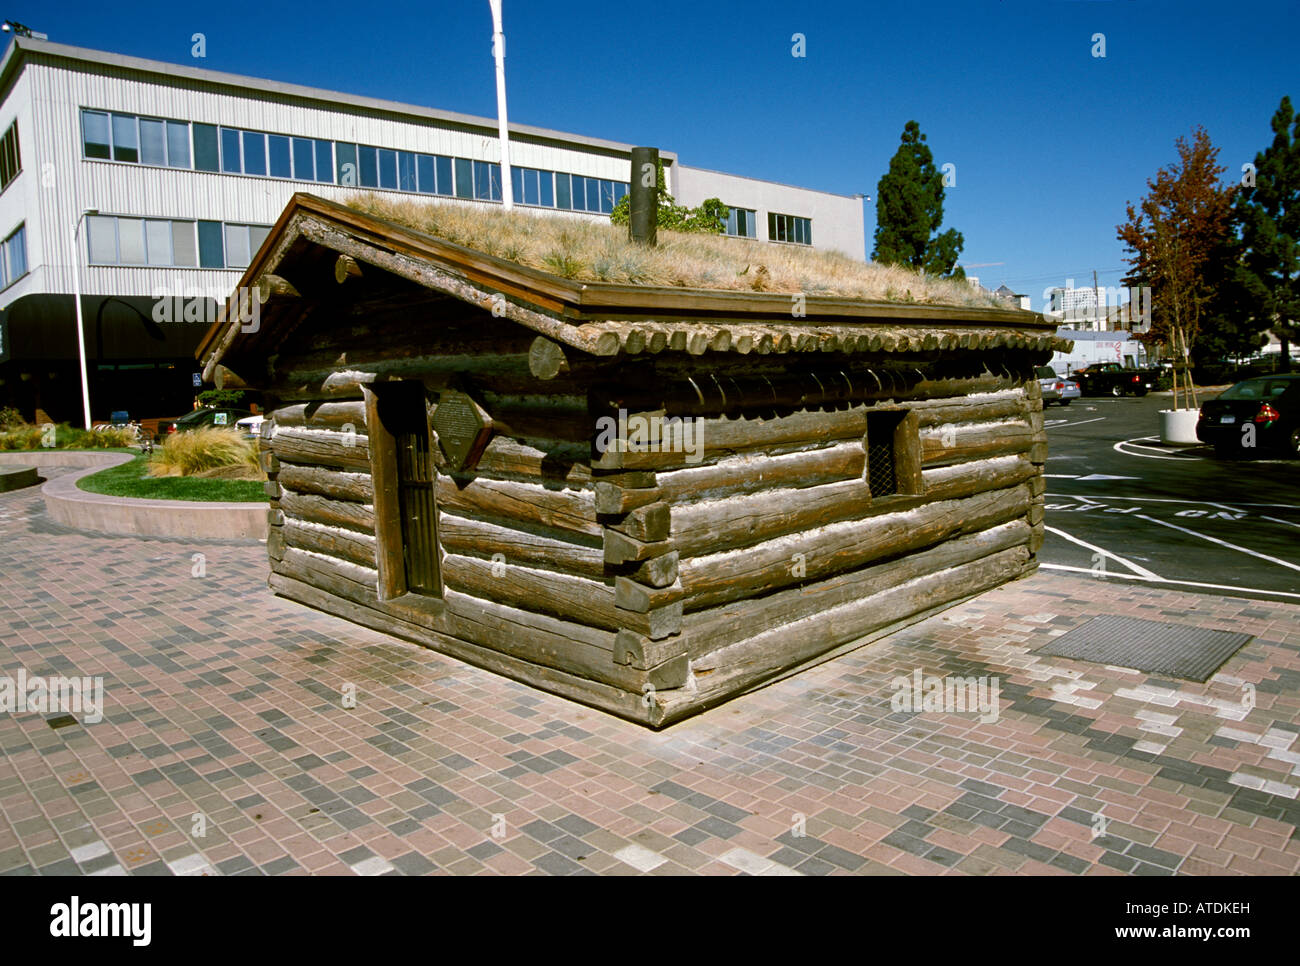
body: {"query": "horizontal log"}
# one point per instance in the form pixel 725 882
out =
pixel 738 521
pixel 329 415
pixel 357 548
pixel 723 626
pixel 620 548
pixel 336 484
pixel 650 522
pixel 559 508
pixel 321 447
pixel 792 647
pixel 707 440
pixel 638 651
pixel 1009 406
pixel 735 574
pixel 957 442
pixel 578 599
pixel 656 572
pixel 550 460
pixel 966 479
pixel 471 537
pixel 632 595
pixel 613 499
pixel 529 647
pixel 757 471
pixel 331 513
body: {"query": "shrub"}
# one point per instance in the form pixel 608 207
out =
pixel 10 418
pixel 107 438
pixel 187 453
pixel 22 437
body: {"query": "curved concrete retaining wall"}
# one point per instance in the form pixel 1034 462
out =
pixel 81 510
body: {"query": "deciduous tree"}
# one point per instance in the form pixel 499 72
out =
pixel 1178 237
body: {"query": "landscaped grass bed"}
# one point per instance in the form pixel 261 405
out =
pixel 130 480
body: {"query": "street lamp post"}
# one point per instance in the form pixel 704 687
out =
pixel 499 53
pixel 76 297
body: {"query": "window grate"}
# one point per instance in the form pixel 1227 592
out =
pixel 881 477
pixel 882 456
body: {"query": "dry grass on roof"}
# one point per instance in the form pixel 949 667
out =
pixel 596 251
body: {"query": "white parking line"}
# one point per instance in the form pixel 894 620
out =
pixel 1221 543
pixel 1166 580
pixel 1142 571
pixel 1286 523
pixel 1061 422
pixel 1136 445
pixel 1161 499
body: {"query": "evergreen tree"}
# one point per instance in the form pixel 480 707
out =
pixel 1269 216
pixel 909 211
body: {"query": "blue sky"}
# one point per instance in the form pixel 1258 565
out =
pixel 1049 142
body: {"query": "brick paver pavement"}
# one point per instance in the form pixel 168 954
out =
pixel 224 716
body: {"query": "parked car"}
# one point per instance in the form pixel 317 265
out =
pixel 1271 404
pixel 1055 389
pixel 1112 379
pixel 251 425
pixel 208 416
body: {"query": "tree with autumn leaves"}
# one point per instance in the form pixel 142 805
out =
pixel 1222 259
pixel 1180 239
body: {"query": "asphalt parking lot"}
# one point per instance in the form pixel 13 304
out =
pixel 1123 507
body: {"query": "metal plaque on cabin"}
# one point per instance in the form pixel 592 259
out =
pixel 463 429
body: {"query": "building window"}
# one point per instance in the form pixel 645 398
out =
pixel 405 487
pixel 487 181
pixel 789 228
pixel 11 161
pixel 278 149
pixel 207 154
pixel 893 451
pixel 211 250
pixel 13 257
pixel 742 222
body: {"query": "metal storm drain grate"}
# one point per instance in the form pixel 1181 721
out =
pixel 1174 650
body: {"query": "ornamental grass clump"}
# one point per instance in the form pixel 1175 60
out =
pixel 199 450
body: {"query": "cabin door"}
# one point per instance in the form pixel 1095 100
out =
pixel 405 480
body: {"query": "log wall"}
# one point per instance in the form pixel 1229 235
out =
pixel 654 584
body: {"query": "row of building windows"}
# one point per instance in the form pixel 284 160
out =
pixel 13 257
pixel 171 243
pixel 11 160
pixel 742 223
pixel 164 143
pixel 208 147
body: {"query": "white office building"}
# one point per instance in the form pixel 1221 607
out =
pixel 183 171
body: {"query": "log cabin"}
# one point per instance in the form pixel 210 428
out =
pixel 645 499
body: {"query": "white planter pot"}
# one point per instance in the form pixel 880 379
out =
pixel 1178 426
